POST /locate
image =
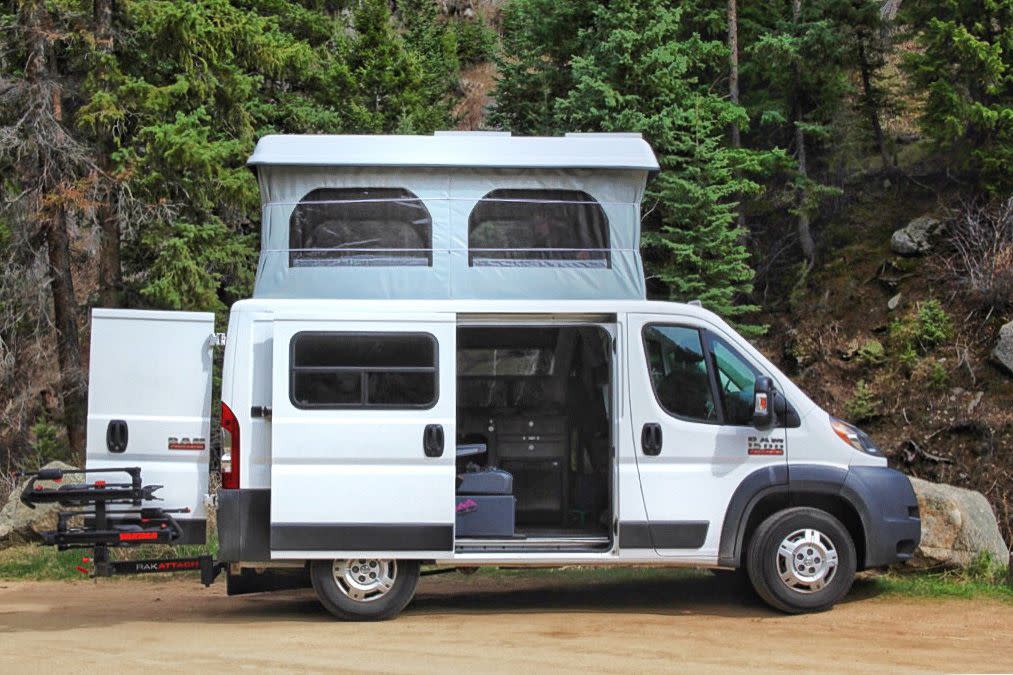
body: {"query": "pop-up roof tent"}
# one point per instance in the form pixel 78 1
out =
pixel 453 215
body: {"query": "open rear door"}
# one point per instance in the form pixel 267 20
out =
pixel 363 420
pixel 149 404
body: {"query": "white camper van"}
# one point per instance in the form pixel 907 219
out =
pixel 449 361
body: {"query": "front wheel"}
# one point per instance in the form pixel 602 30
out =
pixel 364 590
pixel 801 560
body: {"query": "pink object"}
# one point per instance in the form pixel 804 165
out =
pixel 467 506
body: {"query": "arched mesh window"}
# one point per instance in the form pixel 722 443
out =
pixel 360 226
pixel 552 228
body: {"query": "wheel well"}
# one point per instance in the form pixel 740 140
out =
pixel 835 505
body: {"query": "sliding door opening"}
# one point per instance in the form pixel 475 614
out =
pixel 534 435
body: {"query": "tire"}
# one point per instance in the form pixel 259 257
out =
pixel 802 576
pixel 348 591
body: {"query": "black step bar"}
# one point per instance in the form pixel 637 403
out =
pixel 90 523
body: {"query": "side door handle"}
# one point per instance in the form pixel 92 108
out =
pixel 650 439
pixel 116 436
pixel 432 440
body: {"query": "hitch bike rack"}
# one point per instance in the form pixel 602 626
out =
pixel 90 523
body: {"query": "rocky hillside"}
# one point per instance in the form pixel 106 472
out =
pixel 884 333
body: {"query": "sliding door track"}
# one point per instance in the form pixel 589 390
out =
pixel 564 543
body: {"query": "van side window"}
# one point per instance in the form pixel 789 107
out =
pixel 376 227
pixel 363 370
pixel 538 228
pixel 678 368
pixel 736 378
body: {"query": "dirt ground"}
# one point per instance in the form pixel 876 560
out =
pixel 491 623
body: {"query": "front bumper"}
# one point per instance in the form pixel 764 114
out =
pixel 888 508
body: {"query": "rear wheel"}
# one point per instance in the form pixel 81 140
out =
pixel 801 560
pixel 365 589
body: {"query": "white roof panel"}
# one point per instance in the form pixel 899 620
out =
pixel 464 150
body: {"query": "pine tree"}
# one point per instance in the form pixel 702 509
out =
pixel 640 67
pixel 644 73
pixel 539 39
pixel 965 64
pixel 797 82
pixel 180 98
pixel 49 185
pixel 392 90
pixel 435 48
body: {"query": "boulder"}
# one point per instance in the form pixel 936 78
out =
pixel 915 237
pixel 462 8
pixel 958 525
pixel 20 524
pixel 1003 352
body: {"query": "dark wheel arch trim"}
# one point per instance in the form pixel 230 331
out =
pixel 762 483
pixel 883 499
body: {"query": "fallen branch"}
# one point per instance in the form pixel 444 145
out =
pixel 914 450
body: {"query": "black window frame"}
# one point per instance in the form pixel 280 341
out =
pixel 364 371
pixel 711 338
pixel 711 379
pixel 493 196
pixel 297 253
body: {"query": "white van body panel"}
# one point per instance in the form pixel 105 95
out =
pixel 152 371
pixel 631 507
pixel 360 468
pixel 701 464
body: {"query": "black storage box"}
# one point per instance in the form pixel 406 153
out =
pixel 485 516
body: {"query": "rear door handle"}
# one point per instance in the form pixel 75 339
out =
pixel 432 440
pixel 650 438
pixel 117 436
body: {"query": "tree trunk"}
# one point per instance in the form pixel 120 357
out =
pixel 68 350
pixel 733 67
pixel 41 76
pixel 110 271
pixel 110 274
pixel 872 103
pixel 805 236
pixel 733 89
pixel 103 15
pixel 888 10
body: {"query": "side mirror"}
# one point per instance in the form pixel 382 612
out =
pixel 763 403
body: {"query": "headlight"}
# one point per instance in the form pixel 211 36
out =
pixel 854 437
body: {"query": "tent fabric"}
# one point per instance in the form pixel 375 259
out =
pixel 369 239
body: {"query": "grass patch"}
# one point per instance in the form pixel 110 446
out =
pixel 38 563
pixel 984 578
pixel 44 563
pixel 939 586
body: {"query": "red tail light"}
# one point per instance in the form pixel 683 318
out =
pixel 230 449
